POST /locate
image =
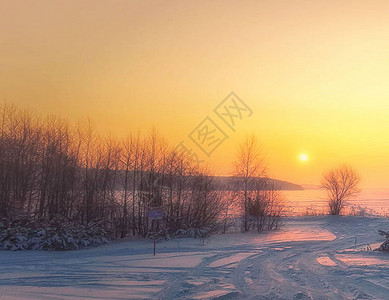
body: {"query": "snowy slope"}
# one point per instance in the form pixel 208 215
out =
pixel 311 258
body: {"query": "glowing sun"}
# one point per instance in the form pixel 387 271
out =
pixel 303 157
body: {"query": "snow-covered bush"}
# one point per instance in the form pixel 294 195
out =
pixel 385 245
pixel 159 236
pixel 22 234
pixel 202 232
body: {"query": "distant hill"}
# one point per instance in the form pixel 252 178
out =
pixel 226 182
pixel 223 182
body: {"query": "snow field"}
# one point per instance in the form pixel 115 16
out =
pixel 310 258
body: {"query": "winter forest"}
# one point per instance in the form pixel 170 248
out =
pixel 66 175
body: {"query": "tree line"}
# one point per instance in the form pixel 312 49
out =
pixel 51 169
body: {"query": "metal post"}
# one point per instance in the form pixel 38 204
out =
pixel 154 244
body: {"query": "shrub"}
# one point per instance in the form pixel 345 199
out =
pixel 21 234
pixel 385 245
pixel 202 232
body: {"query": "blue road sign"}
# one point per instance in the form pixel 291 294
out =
pixel 155 214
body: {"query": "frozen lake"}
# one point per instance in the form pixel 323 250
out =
pixel 373 201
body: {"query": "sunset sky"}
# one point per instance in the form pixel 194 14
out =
pixel 314 73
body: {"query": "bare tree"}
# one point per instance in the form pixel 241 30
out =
pixel 341 184
pixel 228 207
pixel 127 160
pixel 248 167
pixel 266 207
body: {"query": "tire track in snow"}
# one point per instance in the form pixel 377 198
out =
pixel 294 272
pixel 180 286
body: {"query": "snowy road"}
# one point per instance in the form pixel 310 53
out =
pixel 311 258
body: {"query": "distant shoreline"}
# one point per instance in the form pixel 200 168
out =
pixel 225 182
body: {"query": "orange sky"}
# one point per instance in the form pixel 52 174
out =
pixel 314 73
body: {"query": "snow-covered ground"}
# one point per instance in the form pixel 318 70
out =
pixel 310 258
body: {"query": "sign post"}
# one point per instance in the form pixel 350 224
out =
pixel 155 213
